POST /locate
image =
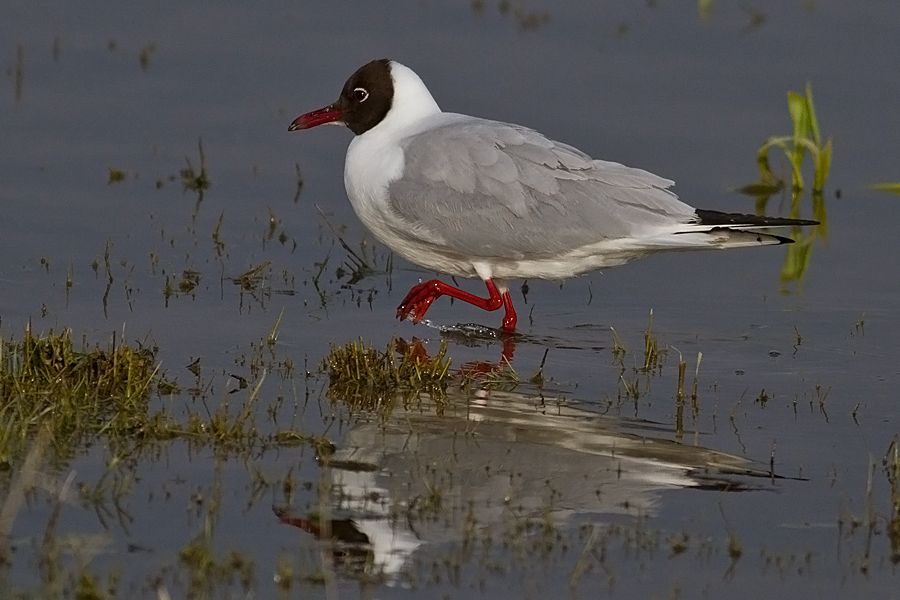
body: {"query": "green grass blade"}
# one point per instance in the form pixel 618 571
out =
pixel 811 116
pixel 891 188
pixel 796 174
pixel 800 122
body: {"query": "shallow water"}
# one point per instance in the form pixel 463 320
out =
pixel 511 494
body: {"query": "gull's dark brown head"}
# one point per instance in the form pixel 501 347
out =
pixel 365 100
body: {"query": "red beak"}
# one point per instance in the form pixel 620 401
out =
pixel 329 114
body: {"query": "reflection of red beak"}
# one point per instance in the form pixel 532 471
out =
pixel 323 116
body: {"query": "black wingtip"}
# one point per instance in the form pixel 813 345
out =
pixel 782 239
pixel 715 217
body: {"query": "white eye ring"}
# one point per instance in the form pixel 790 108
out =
pixel 360 97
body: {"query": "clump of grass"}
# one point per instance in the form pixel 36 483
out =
pixel 367 378
pixel 806 138
pixel 491 376
pixel 189 281
pixel 253 278
pixel 186 285
pixel 145 54
pixel 644 366
pixel 651 346
pixel 115 176
pixel 76 394
pixel 196 180
pixel 678 543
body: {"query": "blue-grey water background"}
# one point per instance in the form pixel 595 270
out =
pixel 659 85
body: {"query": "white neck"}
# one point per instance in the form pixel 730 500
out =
pixel 412 102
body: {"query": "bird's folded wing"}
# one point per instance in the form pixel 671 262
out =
pixel 490 189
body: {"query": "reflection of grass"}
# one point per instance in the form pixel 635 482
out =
pixel 798 255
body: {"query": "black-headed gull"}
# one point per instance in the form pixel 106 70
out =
pixel 473 197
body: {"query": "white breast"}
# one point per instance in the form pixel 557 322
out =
pixel 372 163
pixel 375 159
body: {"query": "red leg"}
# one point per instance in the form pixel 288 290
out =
pixel 304 524
pixel 420 297
pixel 509 348
pixel 480 368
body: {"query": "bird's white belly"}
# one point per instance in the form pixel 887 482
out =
pixel 571 264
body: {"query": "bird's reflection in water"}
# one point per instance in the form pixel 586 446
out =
pixel 429 473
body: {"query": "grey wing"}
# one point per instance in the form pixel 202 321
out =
pixel 488 189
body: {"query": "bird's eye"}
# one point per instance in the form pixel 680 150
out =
pixel 360 94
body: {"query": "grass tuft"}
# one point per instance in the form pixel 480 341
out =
pixel 77 394
pixel 367 378
pixel 195 179
pixel 651 347
pixel 115 176
pixel 805 139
